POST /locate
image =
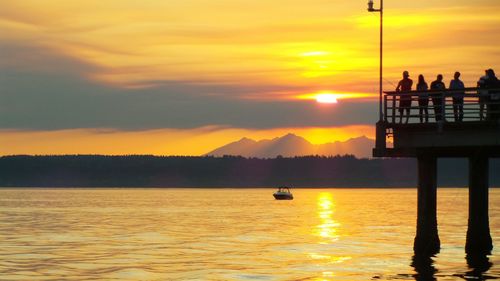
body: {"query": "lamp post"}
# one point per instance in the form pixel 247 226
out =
pixel 381 11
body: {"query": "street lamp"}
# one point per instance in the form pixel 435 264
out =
pixel 381 11
pixel 380 128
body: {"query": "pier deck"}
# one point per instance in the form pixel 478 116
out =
pixel 447 137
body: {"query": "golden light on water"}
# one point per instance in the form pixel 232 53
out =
pixel 328 233
pixel 328 227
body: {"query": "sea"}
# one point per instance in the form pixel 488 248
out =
pixel 233 234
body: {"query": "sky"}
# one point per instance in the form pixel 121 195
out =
pixel 183 77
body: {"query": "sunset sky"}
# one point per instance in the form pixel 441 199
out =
pixel 182 77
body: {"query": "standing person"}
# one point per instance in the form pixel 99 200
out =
pixel 404 86
pixel 483 94
pixel 493 86
pixel 458 97
pixel 423 99
pixel 438 98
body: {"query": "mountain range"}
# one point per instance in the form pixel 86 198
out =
pixel 292 145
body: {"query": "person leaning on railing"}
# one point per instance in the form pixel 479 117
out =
pixel 404 86
pixel 458 97
pixel 423 99
pixel 483 94
pixel 437 98
pixel 494 95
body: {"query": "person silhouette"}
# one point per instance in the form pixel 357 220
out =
pixel 438 98
pixel 404 86
pixel 458 97
pixel 493 86
pixel 423 99
pixel 482 93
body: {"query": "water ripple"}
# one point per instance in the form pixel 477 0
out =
pixel 230 234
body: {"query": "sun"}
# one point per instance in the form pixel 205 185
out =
pixel 326 98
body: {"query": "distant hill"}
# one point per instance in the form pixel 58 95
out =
pixel 292 145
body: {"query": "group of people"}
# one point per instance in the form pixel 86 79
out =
pixel 486 96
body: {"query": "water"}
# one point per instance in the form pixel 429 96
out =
pixel 230 234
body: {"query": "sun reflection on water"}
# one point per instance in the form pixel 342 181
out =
pixel 328 233
pixel 328 229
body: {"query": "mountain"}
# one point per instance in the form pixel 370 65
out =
pixel 292 145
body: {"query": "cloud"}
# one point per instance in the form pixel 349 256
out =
pixel 45 90
pixel 236 42
pixel 187 64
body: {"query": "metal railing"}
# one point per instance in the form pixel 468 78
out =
pixel 446 105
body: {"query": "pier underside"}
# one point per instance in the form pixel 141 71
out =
pixel 445 152
pixel 441 139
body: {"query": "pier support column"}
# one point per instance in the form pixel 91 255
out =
pixel 427 238
pixel 478 232
pixel 380 132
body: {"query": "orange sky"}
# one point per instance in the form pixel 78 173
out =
pixel 242 54
pixel 197 141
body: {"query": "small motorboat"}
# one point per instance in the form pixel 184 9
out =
pixel 283 193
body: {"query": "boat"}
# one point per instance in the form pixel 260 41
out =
pixel 283 193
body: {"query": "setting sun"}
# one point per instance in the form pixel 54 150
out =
pixel 326 98
pixel 332 97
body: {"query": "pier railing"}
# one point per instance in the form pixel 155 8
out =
pixel 478 105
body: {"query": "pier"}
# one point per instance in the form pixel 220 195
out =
pixel 475 135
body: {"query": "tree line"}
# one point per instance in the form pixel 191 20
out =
pixel 227 171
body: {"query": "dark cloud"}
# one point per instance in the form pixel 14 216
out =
pixel 43 90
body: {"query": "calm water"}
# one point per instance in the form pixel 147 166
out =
pixel 229 234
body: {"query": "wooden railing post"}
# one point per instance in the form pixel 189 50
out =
pixel 443 106
pixel 393 108
pixel 385 108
